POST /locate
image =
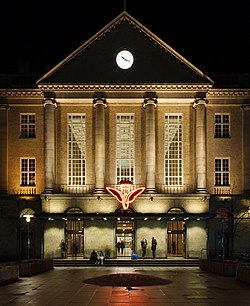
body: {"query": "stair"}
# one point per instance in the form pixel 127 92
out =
pixel 129 263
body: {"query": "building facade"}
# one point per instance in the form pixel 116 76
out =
pixel 126 107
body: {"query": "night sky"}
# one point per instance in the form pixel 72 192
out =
pixel 212 37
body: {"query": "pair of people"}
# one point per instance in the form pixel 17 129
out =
pixel 144 244
pixel 95 259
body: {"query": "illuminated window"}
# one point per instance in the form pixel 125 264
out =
pixel 28 172
pixel 222 126
pixel 125 151
pixel 27 125
pixel 173 150
pixel 222 174
pixel 76 150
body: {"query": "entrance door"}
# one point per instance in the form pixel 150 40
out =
pixel 124 238
pixel 175 231
pixel 74 239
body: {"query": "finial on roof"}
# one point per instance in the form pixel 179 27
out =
pixel 124 4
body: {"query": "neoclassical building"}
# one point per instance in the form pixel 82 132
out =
pixel 124 107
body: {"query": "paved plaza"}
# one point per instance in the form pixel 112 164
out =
pixel 149 286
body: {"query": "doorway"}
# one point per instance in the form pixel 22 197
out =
pixel 74 233
pixel 124 238
pixel 175 233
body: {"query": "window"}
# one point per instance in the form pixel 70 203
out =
pixel 125 151
pixel 222 126
pixel 28 172
pixel 173 150
pixel 222 172
pixel 27 125
pixel 76 150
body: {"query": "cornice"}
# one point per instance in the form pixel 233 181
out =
pixel 228 93
pixel 126 87
pixel 21 93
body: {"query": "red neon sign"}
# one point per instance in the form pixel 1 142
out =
pixel 125 196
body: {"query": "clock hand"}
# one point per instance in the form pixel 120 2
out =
pixel 125 59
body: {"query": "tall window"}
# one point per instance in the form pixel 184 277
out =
pixel 76 150
pixel 28 172
pixel 173 150
pixel 27 125
pixel 222 172
pixel 125 147
pixel 222 126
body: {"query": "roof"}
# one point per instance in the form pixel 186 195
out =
pixel 94 61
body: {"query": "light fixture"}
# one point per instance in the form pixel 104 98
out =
pixel 159 218
pixel 151 198
pixel 145 218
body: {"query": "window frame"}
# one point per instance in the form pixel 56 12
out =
pixel 127 173
pixel 180 160
pixel 28 132
pixel 224 175
pixel 71 161
pixel 28 172
pixel 221 132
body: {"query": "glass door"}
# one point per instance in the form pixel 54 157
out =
pixel 74 239
pixel 124 238
pixel 175 232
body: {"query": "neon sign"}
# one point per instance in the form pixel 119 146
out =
pixel 125 196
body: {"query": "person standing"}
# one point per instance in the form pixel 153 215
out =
pixel 118 245
pixel 63 249
pixel 153 247
pixel 144 244
pixel 122 246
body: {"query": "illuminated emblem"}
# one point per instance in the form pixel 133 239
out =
pixel 125 196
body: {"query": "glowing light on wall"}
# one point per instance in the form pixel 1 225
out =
pixel 125 196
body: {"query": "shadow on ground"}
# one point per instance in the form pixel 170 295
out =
pixel 127 280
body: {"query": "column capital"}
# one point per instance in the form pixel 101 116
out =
pixel 148 101
pixel 50 101
pixel 98 101
pixel 200 101
pixel 4 107
pixel 245 107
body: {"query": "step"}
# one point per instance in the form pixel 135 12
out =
pixel 129 262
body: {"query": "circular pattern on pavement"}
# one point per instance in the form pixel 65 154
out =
pixel 127 280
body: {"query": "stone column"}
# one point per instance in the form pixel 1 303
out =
pixel 100 104
pixel 150 105
pixel 49 137
pixel 3 148
pixel 246 146
pixel 200 145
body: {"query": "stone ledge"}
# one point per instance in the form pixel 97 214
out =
pixel 32 267
pixel 9 272
pixel 243 274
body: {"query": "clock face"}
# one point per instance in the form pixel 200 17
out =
pixel 124 59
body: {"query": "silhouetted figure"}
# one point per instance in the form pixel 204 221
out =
pixel 144 244
pixel 122 246
pixel 153 246
pixel 118 245
pixel 94 257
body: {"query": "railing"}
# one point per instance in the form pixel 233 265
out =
pixel 27 190
pixel 75 189
pixel 222 190
pixel 174 189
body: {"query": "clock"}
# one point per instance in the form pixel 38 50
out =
pixel 124 59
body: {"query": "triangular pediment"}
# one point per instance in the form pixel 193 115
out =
pixel 94 62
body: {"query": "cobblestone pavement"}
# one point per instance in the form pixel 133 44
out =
pixel 147 286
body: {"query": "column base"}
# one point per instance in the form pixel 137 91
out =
pixel 49 190
pixel 201 190
pixel 100 190
pixel 150 190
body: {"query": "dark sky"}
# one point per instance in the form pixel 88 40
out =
pixel 212 37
